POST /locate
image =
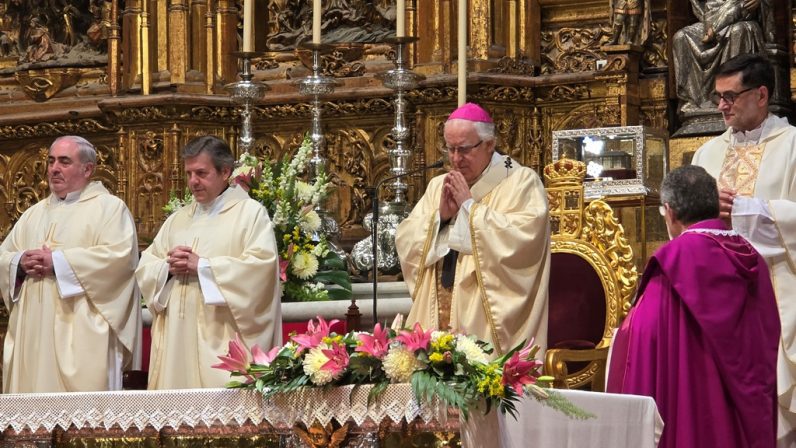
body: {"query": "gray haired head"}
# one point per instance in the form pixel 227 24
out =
pixel 85 150
pixel 691 193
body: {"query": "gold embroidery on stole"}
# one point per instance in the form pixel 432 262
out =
pixel 740 169
pixel 444 300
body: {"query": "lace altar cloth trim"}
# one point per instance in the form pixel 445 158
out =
pixel 194 407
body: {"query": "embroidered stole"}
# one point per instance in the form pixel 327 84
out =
pixel 740 169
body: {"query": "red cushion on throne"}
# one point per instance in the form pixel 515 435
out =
pixel 576 317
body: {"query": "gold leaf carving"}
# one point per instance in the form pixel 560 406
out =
pixel 76 127
pixel 513 66
pixel 570 50
pixel 41 85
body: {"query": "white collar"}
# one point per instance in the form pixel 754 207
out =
pixel 215 206
pixel 70 198
pixel 753 137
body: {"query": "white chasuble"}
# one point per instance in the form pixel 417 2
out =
pixel 79 342
pixel 236 238
pixel 773 181
pixel 500 289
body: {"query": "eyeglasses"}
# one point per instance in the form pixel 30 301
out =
pixel 728 97
pixel 662 210
pixel 463 150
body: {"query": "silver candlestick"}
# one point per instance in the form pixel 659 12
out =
pixel 317 85
pixel 400 79
pixel 244 93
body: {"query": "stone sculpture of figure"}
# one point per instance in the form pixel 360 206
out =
pixel 41 46
pixel 630 22
pixel 726 28
pixel 9 32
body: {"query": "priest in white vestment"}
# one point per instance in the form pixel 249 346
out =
pixel 475 251
pixel 755 164
pixel 211 272
pixel 66 275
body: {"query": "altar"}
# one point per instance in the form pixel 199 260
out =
pixel 337 417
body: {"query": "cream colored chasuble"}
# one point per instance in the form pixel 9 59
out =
pixel 767 170
pixel 79 342
pixel 235 235
pixel 500 288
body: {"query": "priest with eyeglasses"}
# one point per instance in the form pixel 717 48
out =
pixel 755 164
pixel 475 250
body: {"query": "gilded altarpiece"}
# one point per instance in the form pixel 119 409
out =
pixel 141 77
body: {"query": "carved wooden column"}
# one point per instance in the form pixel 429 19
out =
pixel 435 33
pixel 196 30
pixel 114 50
pixel 227 41
pixel 131 42
pixel 178 40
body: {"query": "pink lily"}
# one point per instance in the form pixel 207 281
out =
pixel 416 339
pixel 314 335
pixel 338 359
pixel 375 345
pixel 237 360
pixel 284 263
pixel 262 358
pixel 525 352
pixel 518 372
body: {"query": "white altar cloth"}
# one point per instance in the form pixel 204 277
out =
pixel 622 421
pixel 175 408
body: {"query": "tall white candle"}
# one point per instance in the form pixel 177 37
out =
pixel 316 21
pixel 248 19
pixel 400 18
pixel 462 38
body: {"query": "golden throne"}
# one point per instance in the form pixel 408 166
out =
pixel 592 280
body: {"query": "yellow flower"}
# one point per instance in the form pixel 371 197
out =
pixel 304 265
pixel 436 357
pixel 444 342
pixel 400 363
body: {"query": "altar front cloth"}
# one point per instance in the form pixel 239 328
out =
pixel 195 407
pixel 622 421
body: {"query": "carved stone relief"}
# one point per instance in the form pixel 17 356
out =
pixel 148 193
pixel 570 50
pixel 54 33
pixel 290 22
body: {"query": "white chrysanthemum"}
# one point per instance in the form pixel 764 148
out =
pixel 400 363
pixel 313 362
pixel 310 222
pixel 305 265
pixel 304 192
pixel 472 352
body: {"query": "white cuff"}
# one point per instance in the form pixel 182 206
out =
pixel 752 219
pixel 439 244
pixel 65 277
pixel 459 238
pixel 210 292
pixel 161 298
pixel 12 281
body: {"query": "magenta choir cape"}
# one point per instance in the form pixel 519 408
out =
pixel 702 340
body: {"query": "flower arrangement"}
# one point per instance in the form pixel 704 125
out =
pixel 306 262
pixel 453 367
pixel 175 202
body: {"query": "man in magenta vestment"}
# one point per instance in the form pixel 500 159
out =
pixel 701 338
